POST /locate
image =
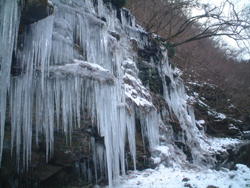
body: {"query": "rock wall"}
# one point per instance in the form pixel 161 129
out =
pixel 90 95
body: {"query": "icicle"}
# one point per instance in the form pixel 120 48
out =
pixel 94 157
pixel 62 48
pixel 150 127
pixel 130 122
pixel 9 24
pixel 16 106
pixel 23 89
pixel 57 102
pixel 42 45
pixel 34 55
pixel 50 110
pixel 101 156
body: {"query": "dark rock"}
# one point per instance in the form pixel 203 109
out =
pixel 238 157
pixel 246 135
pixel 142 150
pixel 160 103
pixel 148 52
pixel 115 35
pixel 44 172
pixel 118 15
pixel 176 126
pixel 188 185
pixel 117 3
pixel 16 69
pixel 212 186
pixel 60 170
pixel 185 179
pixel 103 19
pixel 79 53
pixel 36 10
pixel 185 148
pixel 212 99
pixel 223 128
pixel 150 77
pixel 134 44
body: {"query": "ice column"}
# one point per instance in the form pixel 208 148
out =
pixel 150 127
pixel 9 24
pixel 34 58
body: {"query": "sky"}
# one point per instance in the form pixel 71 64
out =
pixel 239 5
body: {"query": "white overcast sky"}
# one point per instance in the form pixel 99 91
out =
pixel 239 5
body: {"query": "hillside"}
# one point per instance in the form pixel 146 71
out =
pixel 203 63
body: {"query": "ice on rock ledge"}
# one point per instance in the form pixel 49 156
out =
pixel 134 89
pixel 50 3
pixel 136 92
pixel 83 69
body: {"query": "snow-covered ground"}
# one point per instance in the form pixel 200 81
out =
pixel 215 145
pixel 163 177
pixel 177 177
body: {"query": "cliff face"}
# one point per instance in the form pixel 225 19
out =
pixel 89 95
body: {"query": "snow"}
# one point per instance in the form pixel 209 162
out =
pixel 215 145
pixel 202 121
pixel 163 149
pixel 177 71
pixel 163 177
pixel 220 116
pixel 232 127
pixel 135 91
pixel 82 69
pixel 178 177
pixel 202 103
pixel 132 94
pixel 50 3
pixel 194 83
pixel 191 99
pixel 232 106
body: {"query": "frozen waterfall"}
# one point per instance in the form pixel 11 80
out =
pixel 73 66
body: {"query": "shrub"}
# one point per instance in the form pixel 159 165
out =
pixel 170 48
pixel 167 45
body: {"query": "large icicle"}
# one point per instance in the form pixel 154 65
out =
pixel 35 55
pixel 9 24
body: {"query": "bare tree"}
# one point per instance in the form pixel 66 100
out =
pixel 176 22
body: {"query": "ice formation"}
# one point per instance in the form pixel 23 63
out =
pixel 10 16
pixel 71 61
